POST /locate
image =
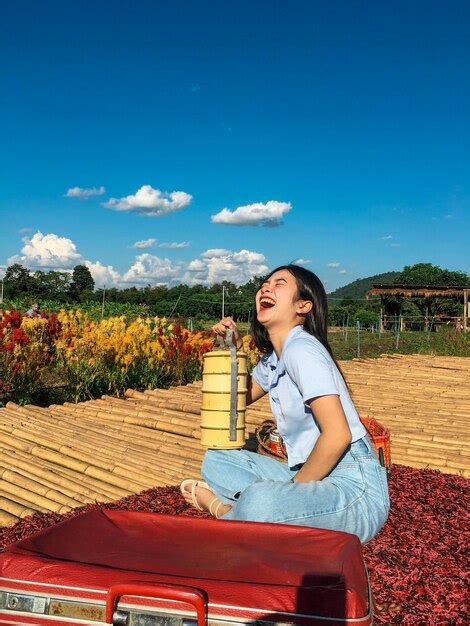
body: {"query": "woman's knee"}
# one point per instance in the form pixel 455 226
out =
pixel 212 461
pixel 254 504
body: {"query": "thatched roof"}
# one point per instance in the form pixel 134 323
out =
pixel 65 456
pixel 421 291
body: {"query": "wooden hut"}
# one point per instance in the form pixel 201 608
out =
pixel 426 291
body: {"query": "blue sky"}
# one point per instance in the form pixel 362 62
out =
pixel 340 132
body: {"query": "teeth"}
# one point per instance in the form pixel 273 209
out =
pixel 268 301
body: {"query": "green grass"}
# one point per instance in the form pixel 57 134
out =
pixel 444 342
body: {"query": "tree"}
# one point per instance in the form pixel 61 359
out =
pixel 18 281
pixel 366 317
pixel 82 284
pixel 51 285
pixel 429 274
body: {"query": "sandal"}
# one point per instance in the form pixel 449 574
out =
pixel 217 507
pixel 192 492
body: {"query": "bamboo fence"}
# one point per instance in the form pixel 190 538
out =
pixel 65 456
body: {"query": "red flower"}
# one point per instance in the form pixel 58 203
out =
pixel 13 319
pixel 20 337
pixel 54 327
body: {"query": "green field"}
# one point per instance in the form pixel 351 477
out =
pixel 444 342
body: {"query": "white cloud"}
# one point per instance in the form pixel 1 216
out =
pixel 218 264
pixel 51 252
pixel 174 245
pixel 386 237
pixel 213 266
pixel 151 202
pixel 169 245
pixel 342 272
pixel 257 214
pixel 84 192
pixel 103 275
pixel 25 231
pixel 213 253
pixel 333 264
pixel 144 243
pixel 302 261
pixel 148 268
pixel 59 253
pixel 196 265
pixel 47 252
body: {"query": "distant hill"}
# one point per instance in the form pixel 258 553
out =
pixel 359 287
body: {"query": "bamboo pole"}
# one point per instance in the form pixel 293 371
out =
pixel 7 519
pixel 39 488
pixel 14 508
pixel 33 497
pixel 95 488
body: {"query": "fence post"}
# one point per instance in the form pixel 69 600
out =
pixel 358 327
pixel 397 338
pixel 466 309
pixel 430 326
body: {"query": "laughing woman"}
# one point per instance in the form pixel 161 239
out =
pixel 332 478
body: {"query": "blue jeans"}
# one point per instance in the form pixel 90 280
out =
pixel 353 497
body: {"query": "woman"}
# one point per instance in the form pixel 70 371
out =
pixel 332 478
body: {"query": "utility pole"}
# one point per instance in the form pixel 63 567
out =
pixel 102 304
pixel 1 294
pixel 223 300
pixel 174 308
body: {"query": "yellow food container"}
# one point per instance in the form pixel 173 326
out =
pixel 217 380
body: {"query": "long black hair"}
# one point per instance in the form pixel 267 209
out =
pixel 309 287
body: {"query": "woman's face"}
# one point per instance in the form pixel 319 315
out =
pixel 277 303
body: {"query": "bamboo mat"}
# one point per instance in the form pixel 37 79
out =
pixel 62 457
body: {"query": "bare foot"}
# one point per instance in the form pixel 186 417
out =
pixel 203 498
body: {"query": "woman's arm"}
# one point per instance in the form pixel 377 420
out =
pixel 335 436
pixel 253 391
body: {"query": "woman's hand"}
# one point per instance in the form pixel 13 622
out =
pixel 223 326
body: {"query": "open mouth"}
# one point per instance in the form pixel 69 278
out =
pixel 266 302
